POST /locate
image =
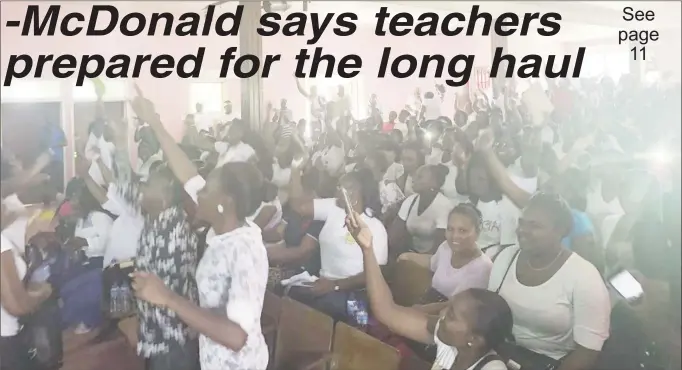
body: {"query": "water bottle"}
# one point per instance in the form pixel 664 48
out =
pixel 125 298
pixel 115 299
pixel 361 316
pixel 351 305
pixel 41 274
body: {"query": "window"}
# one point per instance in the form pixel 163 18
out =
pixel 32 90
pixel 208 94
pixel 114 90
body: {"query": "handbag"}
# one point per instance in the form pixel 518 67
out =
pixel 517 357
pixel 41 333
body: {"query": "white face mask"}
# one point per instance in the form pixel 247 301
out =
pixel 445 354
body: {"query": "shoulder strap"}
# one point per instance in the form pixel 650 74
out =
pixel 414 201
pixel 511 262
pixel 486 360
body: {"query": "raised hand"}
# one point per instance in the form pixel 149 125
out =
pixel 360 231
pixel 485 140
pixel 143 107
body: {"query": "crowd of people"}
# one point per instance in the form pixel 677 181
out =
pixel 522 218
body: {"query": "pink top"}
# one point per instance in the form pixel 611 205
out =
pixel 449 281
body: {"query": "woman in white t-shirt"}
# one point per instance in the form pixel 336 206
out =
pixel 93 227
pixel 341 271
pixel 423 216
pixel 234 149
pixel 412 158
pixel 466 332
pixel 15 299
pixel 499 214
pixel 458 150
pixel 559 301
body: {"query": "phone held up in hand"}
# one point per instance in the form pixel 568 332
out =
pixel 347 202
pixel 627 286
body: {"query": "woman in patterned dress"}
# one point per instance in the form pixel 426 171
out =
pixel 233 271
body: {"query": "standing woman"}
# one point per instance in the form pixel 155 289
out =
pixel 233 271
pixel 16 300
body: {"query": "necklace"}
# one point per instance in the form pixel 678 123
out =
pixel 561 252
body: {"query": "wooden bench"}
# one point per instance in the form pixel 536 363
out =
pixel 356 350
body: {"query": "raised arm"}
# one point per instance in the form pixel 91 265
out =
pixel 301 89
pixel 26 178
pixel 179 163
pixel 484 145
pixel 403 321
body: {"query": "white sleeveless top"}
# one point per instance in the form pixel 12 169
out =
pixel 446 355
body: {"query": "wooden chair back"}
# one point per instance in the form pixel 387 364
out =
pixel 269 320
pixel 410 282
pixel 356 350
pixel 302 332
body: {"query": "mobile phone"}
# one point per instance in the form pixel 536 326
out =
pixel 347 202
pixel 627 286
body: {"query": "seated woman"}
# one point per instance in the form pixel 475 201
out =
pixel 389 192
pixel 581 236
pixel 299 249
pixel 559 301
pixel 269 214
pixel 412 158
pixel 458 263
pixel 93 226
pixel 466 332
pixel 423 216
pixel 341 263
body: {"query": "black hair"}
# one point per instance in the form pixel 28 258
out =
pixel 446 121
pixel 461 118
pixel 439 172
pixel 403 115
pixel 478 161
pixel 310 180
pixel 369 189
pixel 470 211
pixel 557 209
pixel 379 160
pixel 398 133
pixel 174 188
pixel 241 180
pixel 578 182
pixel 462 140
pixel 417 148
pixel 494 320
pixel 87 202
pixel 6 170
